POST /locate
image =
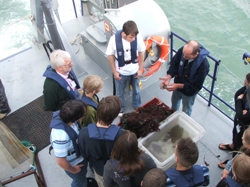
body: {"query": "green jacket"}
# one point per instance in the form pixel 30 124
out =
pixel 54 95
pixel 91 116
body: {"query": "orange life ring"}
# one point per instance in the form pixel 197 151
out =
pixel 163 44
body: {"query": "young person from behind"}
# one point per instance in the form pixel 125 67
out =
pixel 186 173
pixel 97 140
pixel 128 164
pixel 244 149
pixel 92 85
pixel 154 178
pixel 241 173
pixel 64 140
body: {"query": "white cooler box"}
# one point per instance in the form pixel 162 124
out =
pixel 160 145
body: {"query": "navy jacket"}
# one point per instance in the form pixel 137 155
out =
pixel 93 139
pixel 193 77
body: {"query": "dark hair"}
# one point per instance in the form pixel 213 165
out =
pixel 108 109
pixel 154 178
pixel 72 111
pixel 248 77
pixel 187 152
pixel 126 151
pixel 195 45
pixel 130 27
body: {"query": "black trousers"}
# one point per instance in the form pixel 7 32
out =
pixel 4 106
pixel 237 135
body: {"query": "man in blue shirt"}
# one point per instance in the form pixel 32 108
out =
pixel 64 140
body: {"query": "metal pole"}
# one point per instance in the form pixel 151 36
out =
pixel 51 24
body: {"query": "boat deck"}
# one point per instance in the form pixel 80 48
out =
pixel 22 77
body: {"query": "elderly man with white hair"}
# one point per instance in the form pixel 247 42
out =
pixel 61 83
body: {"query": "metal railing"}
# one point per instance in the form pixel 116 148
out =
pixel 213 76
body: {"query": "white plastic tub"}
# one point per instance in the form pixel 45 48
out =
pixel 160 145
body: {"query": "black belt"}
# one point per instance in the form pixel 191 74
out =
pixel 128 62
pixel 71 153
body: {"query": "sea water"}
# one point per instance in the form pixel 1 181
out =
pixel 16 27
pixel 223 28
pixel 220 26
pixel 163 145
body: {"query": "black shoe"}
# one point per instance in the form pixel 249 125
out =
pixel 92 182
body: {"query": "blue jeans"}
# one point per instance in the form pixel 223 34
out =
pixel 79 179
pixel 187 102
pixel 120 86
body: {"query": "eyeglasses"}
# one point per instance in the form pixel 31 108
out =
pixel 69 64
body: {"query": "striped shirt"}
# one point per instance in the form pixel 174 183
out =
pixel 63 146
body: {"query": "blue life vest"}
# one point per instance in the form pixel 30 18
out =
pixel 193 177
pixel 89 101
pixel 103 133
pixel 233 183
pixel 50 73
pixel 120 50
pixel 57 123
pixel 196 63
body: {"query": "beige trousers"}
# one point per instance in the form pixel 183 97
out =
pixel 99 180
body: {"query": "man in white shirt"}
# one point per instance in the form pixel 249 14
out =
pixel 126 56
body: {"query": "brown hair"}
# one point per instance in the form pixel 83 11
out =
pixel 187 152
pixel 247 135
pixel 154 178
pixel 130 27
pixel 126 151
pixel 246 139
pixel 241 168
pixel 92 83
pixel 108 109
pixel 195 45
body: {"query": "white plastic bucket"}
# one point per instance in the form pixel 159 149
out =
pixel 160 145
